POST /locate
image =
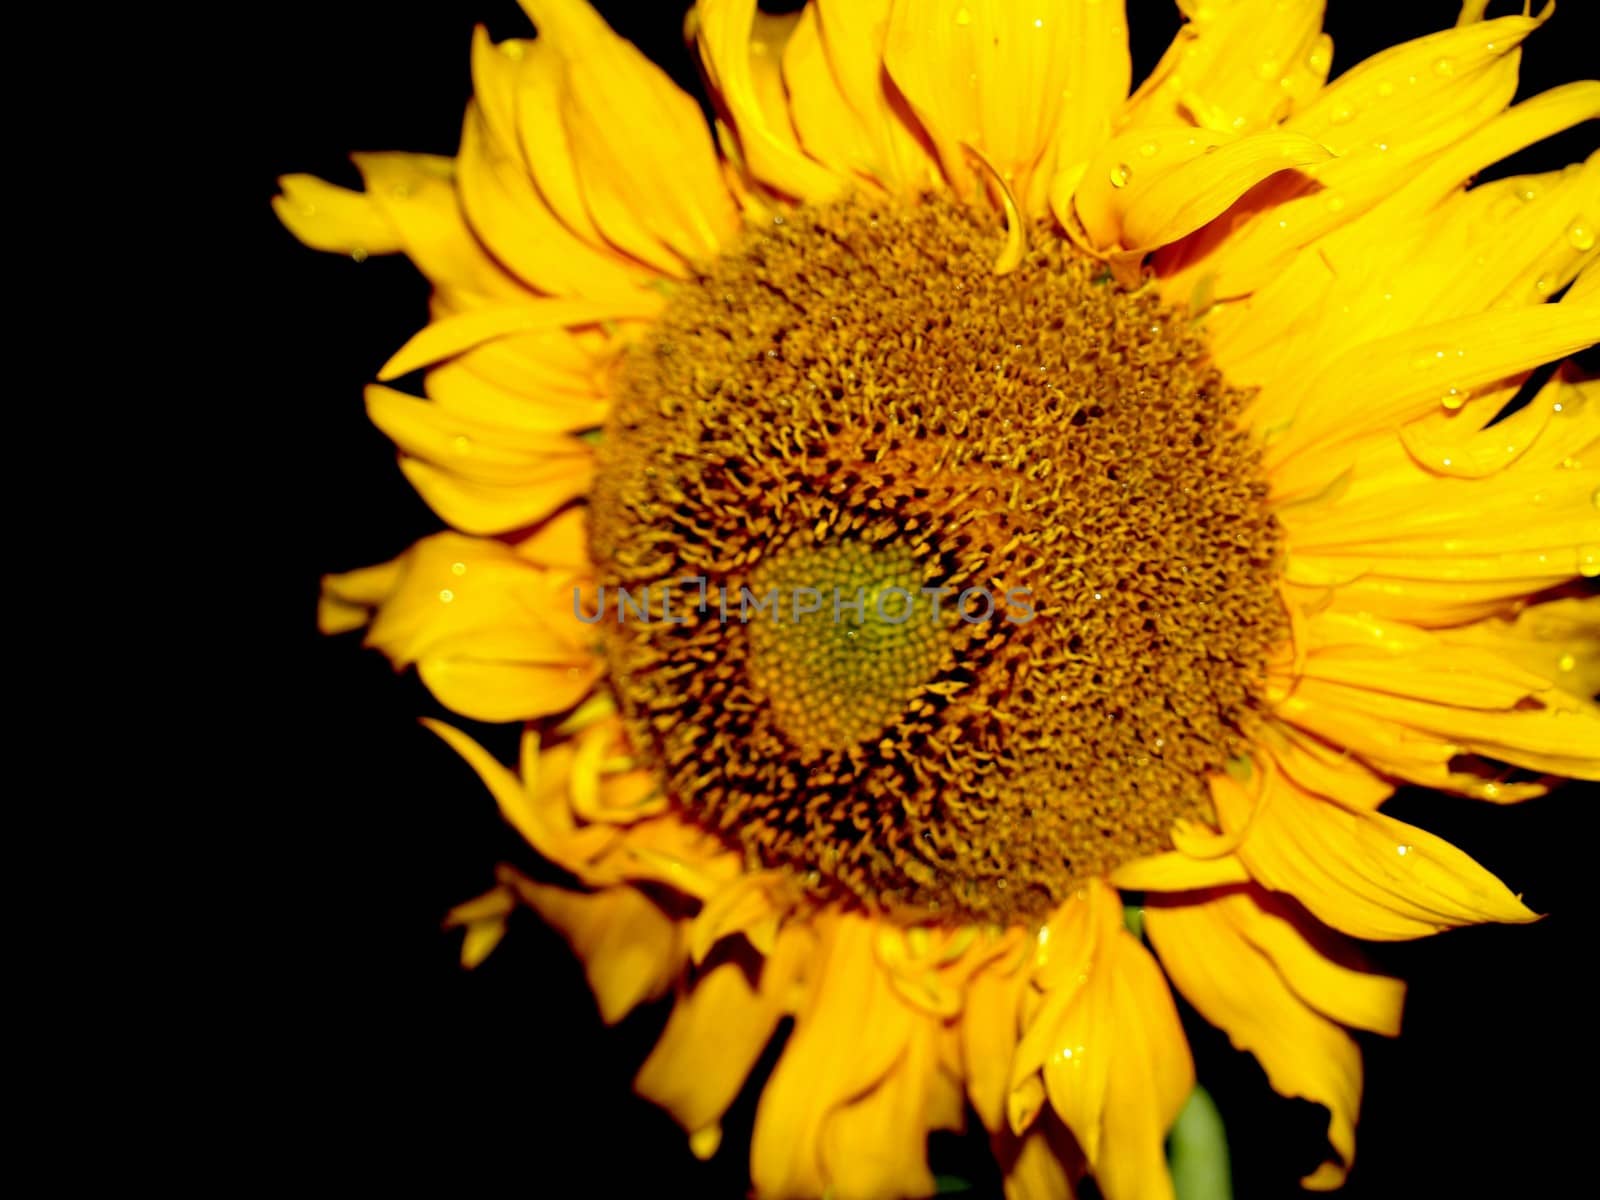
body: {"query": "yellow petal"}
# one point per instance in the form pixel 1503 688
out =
pixel 1380 119
pixel 1175 871
pixel 1151 187
pixel 1455 694
pixel 1106 1039
pixel 417 193
pixel 335 219
pixel 828 129
pixel 768 144
pixel 989 74
pixel 452 335
pixel 1236 987
pixel 853 36
pixel 642 154
pixel 848 1036
pixel 349 600
pixel 1236 66
pixel 1363 873
pixel 1407 375
pixel 508 477
pixel 1042 1164
pixel 499 195
pixel 750 906
pixel 1322 968
pixel 470 612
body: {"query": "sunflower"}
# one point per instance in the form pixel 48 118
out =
pixel 1226 419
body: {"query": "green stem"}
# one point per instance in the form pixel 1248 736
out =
pixel 1197 1149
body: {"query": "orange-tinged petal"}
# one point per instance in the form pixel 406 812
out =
pixel 1236 66
pixel 630 949
pixel 715 1034
pixel 990 1021
pixel 1236 987
pixel 484 918
pixel 875 1147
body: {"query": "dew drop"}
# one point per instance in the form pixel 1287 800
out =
pixel 1385 88
pixel 446 595
pixel 1148 149
pixel 1567 663
pixel 1444 68
pixel 1120 174
pixel 462 444
pixel 1402 850
pixel 1581 235
pixel 1452 399
pixel 1342 115
pixel 1544 285
pixel 1589 561
pixel 358 254
pixel 963 17
pixel 458 568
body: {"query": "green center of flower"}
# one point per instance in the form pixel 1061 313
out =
pixel 845 640
pixel 849 419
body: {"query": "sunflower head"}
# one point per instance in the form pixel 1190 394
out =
pixel 964 486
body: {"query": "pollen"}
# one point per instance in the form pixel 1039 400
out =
pixel 993 567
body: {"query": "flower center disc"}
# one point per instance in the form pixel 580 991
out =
pixel 972 576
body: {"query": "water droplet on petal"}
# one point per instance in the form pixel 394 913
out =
pixel 458 568
pixel 1148 149
pixel 358 254
pixel 1589 561
pixel 1342 115
pixel 1581 235
pixel 963 17
pixel 1444 68
pixel 1120 174
pixel 1452 399
pixel 1385 88
pixel 462 444
pixel 1567 663
pixel 446 595
pixel 1402 850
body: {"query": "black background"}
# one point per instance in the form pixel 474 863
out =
pixel 393 1064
